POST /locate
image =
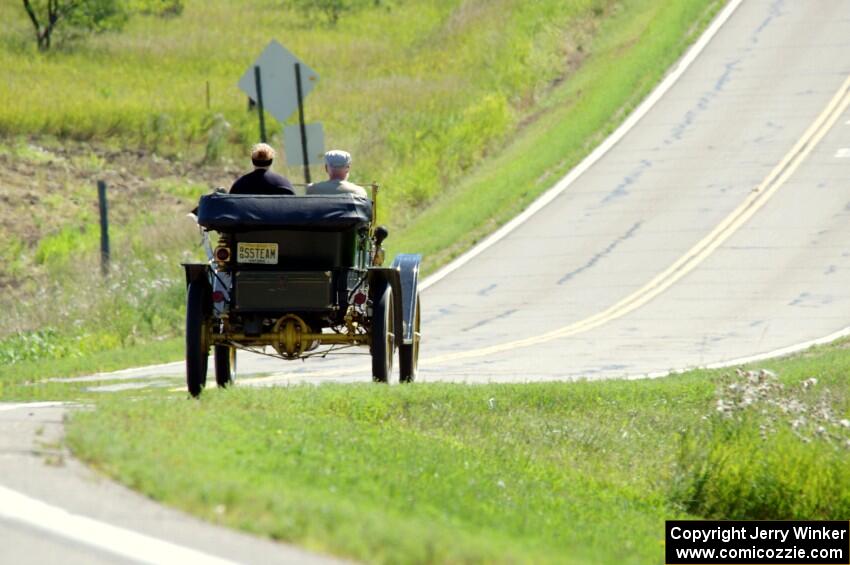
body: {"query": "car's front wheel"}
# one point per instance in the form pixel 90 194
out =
pixel 383 336
pixel 197 348
pixel 225 365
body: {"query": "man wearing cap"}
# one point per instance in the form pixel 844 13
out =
pixel 337 165
pixel 262 180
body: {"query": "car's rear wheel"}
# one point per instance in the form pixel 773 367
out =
pixel 408 353
pixel 197 348
pixel 383 336
pixel 225 365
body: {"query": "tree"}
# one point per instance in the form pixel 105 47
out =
pixel 75 17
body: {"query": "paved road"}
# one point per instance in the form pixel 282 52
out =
pixel 716 228
pixel 702 158
pixel 91 520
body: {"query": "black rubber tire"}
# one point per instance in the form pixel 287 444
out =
pixel 408 354
pixel 225 365
pixel 383 336
pixel 197 351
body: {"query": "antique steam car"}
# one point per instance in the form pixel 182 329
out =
pixel 296 277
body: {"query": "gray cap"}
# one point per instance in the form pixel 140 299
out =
pixel 337 159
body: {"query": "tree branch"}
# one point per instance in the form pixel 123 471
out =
pixel 33 18
pixel 52 12
pixel 46 16
pixel 55 12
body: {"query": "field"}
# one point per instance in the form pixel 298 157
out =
pixel 418 104
pixel 465 113
pixel 558 472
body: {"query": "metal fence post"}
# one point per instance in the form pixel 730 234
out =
pixel 104 226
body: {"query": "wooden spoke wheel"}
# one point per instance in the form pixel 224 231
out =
pixel 198 303
pixel 225 365
pixel 408 353
pixel 383 336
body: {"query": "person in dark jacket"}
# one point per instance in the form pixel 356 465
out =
pixel 262 180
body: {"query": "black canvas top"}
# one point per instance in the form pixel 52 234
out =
pixel 244 212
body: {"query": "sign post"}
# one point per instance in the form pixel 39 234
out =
pixel 258 81
pixel 301 123
pixel 296 154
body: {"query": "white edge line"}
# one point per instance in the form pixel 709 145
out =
pixel 100 535
pixel 145 548
pixel 286 379
pixel 161 366
pixel 781 352
pixel 122 374
pixel 18 405
pixel 570 177
pixel 596 154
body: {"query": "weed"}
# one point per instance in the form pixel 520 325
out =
pixel 54 459
pixel 161 132
pixel 56 250
pixel 421 105
pixel 217 130
pixel 494 473
pixel 32 345
pixel 766 451
pixel 417 93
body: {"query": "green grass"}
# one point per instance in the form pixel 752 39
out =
pixel 431 473
pixel 29 379
pixel 475 108
pixel 631 52
pixel 418 90
pixel 465 111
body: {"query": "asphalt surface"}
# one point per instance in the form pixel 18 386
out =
pixel 780 279
pixel 90 516
pixel 716 229
pixel 750 149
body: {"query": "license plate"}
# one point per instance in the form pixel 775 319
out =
pixel 260 253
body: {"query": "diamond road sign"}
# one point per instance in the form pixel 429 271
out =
pixel 277 69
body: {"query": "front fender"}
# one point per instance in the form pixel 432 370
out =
pixel 195 271
pixel 408 267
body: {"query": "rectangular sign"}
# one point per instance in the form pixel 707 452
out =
pixel 257 253
pixel 694 542
pixel 315 144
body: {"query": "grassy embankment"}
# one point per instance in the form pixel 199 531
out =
pixel 578 472
pixel 465 111
pixel 430 473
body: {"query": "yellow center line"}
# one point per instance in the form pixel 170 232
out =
pixel 757 198
pixel 699 252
